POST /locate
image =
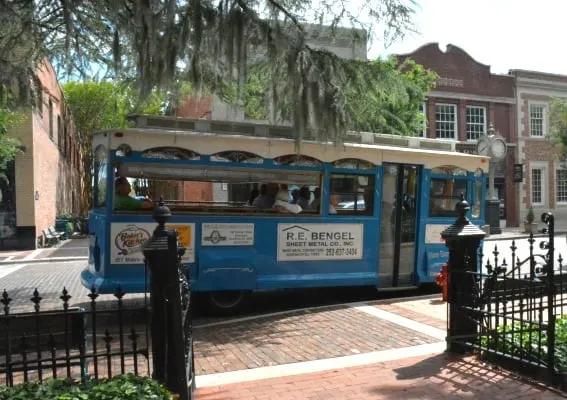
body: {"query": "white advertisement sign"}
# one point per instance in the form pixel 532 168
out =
pixel 126 240
pixel 298 242
pixel 433 233
pixel 227 235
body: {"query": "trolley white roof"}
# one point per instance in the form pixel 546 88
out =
pixel 206 143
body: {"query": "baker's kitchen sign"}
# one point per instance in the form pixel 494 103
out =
pixel 127 241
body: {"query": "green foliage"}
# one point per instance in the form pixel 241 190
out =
pixel 381 96
pixel 530 217
pixel 558 125
pixel 9 118
pixel 525 340
pixel 392 109
pixel 97 106
pixel 124 387
pixel 159 43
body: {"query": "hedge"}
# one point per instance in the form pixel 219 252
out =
pixel 124 387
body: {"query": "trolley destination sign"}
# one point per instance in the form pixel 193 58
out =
pixel 320 242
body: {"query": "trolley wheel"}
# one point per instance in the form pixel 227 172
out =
pixel 226 302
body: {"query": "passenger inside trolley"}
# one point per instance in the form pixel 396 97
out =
pixel 282 204
pixel 122 199
pixel 316 202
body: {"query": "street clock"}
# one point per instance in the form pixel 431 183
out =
pixel 498 148
pixel 483 146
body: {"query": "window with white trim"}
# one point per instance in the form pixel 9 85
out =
pixel 423 111
pixel 476 122
pixel 537 185
pixel 446 121
pixel 537 120
pixel 561 186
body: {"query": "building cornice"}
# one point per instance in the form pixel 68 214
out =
pixel 524 83
pixel 472 97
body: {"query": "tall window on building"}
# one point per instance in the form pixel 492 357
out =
pixel 50 119
pixel 423 110
pixel 60 133
pixel 39 98
pixel 446 121
pixel 561 188
pixel 476 122
pixel 537 120
pixel 537 186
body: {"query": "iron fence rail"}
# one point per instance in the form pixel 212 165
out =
pixel 513 306
pixel 73 342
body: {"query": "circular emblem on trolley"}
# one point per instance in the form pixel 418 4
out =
pixel 215 237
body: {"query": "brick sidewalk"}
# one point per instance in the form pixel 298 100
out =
pixel 304 335
pixel 432 377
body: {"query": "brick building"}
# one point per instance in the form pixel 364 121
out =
pixel 545 178
pixel 466 100
pixel 45 180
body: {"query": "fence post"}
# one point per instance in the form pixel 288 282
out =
pixel 172 344
pixel 462 238
pixel 549 219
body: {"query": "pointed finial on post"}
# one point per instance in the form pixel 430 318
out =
pixel 462 208
pixel 161 214
pixel 491 129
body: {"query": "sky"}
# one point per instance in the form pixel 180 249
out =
pixel 505 34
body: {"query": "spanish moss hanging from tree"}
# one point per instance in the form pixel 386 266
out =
pixel 160 43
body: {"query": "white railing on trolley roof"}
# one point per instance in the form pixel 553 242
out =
pixel 283 132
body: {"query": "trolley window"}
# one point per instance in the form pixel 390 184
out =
pixel 351 194
pixel 100 173
pixel 476 207
pixel 444 195
pixel 217 190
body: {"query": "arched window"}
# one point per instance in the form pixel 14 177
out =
pixel 449 170
pixel 295 160
pixel 124 150
pixel 353 163
pixel 237 156
pixel 171 153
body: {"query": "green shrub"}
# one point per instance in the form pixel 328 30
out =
pixel 524 339
pixel 124 387
pixel 530 217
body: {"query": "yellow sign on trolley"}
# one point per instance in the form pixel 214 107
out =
pixel 184 234
pixel 128 239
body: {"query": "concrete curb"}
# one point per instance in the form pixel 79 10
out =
pixel 44 260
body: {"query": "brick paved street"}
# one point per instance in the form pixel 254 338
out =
pixel 433 377
pixel 49 279
pixel 300 336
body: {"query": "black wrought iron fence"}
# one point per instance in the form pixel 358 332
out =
pixel 514 303
pixel 93 341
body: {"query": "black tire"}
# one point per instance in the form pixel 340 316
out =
pixel 227 302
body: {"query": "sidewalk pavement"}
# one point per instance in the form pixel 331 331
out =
pixel 409 363
pixel 68 250
pixel 518 233
pixel 430 377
